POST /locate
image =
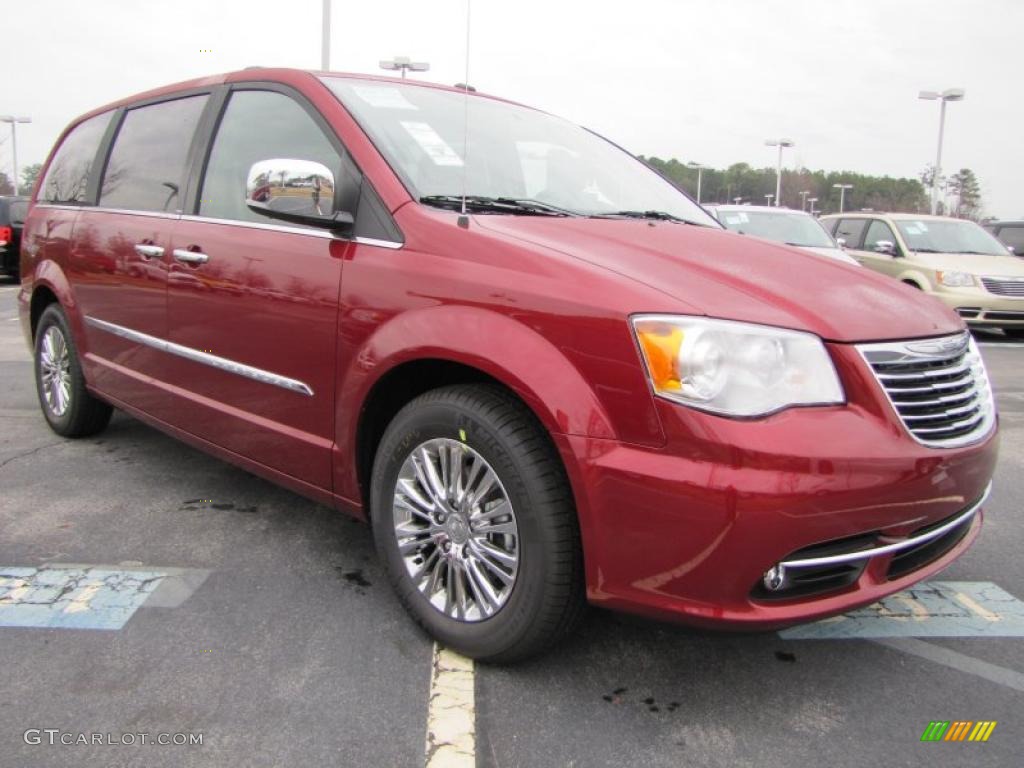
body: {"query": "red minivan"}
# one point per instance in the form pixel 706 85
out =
pixel 543 374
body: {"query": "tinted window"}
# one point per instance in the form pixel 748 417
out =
pixel 67 177
pixel 19 208
pixel 851 230
pixel 146 170
pixel 1014 237
pixel 262 125
pixel 878 231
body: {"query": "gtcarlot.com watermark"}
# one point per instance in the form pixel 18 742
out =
pixel 55 737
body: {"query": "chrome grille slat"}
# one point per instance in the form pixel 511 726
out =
pixel 1002 286
pixel 938 387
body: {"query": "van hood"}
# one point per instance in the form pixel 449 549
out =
pixel 975 264
pixel 726 275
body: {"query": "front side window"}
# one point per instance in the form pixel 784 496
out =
pixel 1013 237
pixel 67 177
pixel 147 166
pixel 515 154
pixel 782 227
pixel 948 236
pixel 878 231
pixel 257 126
pixel 851 231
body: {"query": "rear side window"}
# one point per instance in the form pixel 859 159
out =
pixel 146 170
pixel 67 177
pixel 852 231
pixel 1014 237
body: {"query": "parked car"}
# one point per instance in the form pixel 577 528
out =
pixel 570 383
pixel 954 260
pixel 781 225
pixel 12 219
pixel 1009 233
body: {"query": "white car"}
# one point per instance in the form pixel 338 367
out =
pixel 781 225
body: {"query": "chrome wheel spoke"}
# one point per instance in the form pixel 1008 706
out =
pixel 55 371
pixel 456 530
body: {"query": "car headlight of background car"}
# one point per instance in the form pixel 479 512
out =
pixel 734 368
pixel 955 279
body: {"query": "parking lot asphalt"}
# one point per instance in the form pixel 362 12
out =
pixel 282 644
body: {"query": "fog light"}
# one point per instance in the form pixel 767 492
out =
pixel 775 578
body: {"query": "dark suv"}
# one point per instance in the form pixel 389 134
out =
pixel 1009 233
pixel 12 218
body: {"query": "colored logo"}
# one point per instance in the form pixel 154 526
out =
pixel 958 730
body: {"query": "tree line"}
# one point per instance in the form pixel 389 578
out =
pixel 880 193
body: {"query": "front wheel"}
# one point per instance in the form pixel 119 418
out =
pixel 474 520
pixel 67 405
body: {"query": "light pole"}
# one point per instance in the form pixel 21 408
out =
pixel 812 201
pixel 950 94
pixel 769 199
pixel 737 200
pixel 325 40
pixel 700 176
pixel 780 143
pixel 842 193
pixel 403 63
pixel 14 141
pixel 803 199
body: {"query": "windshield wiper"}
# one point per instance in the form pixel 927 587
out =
pixel 655 215
pixel 483 204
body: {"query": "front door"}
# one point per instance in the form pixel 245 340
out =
pixel 881 250
pixel 252 305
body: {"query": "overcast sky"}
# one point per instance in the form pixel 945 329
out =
pixel 705 81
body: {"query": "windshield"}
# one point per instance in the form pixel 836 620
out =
pixel 944 236
pixel 782 226
pixel 516 154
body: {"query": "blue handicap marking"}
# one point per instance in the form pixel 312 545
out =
pixel 929 609
pixel 73 598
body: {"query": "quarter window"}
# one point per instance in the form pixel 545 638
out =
pixel 67 177
pixel 263 125
pixel 147 166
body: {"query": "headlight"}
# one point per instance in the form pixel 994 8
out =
pixel 956 279
pixel 736 369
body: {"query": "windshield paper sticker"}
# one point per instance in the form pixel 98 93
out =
pixel 430 141
pixel 382 97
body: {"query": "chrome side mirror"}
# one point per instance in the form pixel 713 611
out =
pixel 1012 250
pixel 300 191
pixel 885 246
pixel 841 242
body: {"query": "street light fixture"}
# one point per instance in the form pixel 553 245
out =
pixel 403 63
pixel 769 199
pixel 842 193
pixel 812 201
pixel 803 199
pixel 780 143
pixel 700 175
pixel 737 200
pixel 950 94
pixel 14 141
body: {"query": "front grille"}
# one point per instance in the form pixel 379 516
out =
pixel 1004 286
pixel 938 387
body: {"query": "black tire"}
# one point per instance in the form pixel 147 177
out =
pixel 546 599
pixel 1014 333
pixel 82 414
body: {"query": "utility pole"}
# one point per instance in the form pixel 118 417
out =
pixel 842 194
pixel 14 143
pixel 781 144
pixel 325 42
pixel 950 94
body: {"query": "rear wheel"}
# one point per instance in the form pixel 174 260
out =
pixel 474 521
pixel 67 405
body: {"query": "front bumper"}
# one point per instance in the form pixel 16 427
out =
pixel 981 308
pixel 688 531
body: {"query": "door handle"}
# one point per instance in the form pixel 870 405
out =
pixel 190 257
pixel 149 251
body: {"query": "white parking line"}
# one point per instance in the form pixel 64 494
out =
pixel 451 712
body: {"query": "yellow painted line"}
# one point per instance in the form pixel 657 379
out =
pixel 81 601
pixel 975 608
pixel 451 712
pixel 917 610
